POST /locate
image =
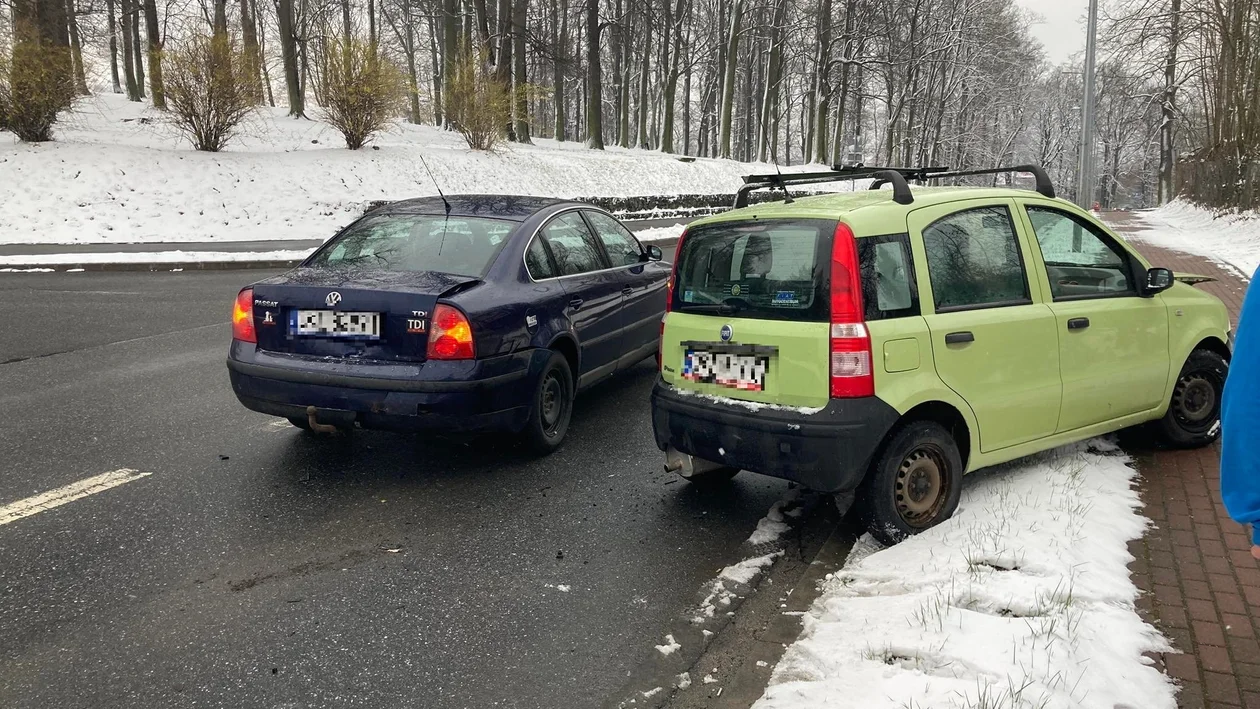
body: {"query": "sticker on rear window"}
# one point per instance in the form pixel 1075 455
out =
pixel 786 297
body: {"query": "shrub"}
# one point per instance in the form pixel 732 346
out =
pixel 359 92
pixel 211 88
pixel 36 83
pixel 477 105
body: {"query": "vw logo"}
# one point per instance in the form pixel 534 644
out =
pixel 726 333
pixel 332 299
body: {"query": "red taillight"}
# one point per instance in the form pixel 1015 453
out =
pixel 450 335
pixel 851 373
pixel 243 317
pixel 669 299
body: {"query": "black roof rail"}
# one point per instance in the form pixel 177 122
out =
pixel 1044 186
pixel 836 174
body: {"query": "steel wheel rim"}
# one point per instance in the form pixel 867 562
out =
pixel 551 402
pixel 923 481
pixel 1195 400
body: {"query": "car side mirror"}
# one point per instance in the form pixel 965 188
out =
pixel 654 253
pixel 1158 280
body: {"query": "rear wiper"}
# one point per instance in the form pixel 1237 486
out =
pixel 719 308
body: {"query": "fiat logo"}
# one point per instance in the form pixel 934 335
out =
pixel 726 333
pixel 332 299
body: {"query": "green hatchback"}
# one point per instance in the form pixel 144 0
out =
pixel 888 342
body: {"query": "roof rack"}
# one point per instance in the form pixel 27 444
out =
pixel 898 177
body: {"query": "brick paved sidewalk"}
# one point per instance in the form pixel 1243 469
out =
pixel 1201 586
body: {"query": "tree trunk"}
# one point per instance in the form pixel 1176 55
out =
pixel 372 39
pixel 520 98
pixel 129 56
pixel 686 104
pixel 616 44
pixel 137 60
pixel 450 50
pixel 261 33
pixel 482 18
pixel 76 49
pixel 413 80
pixel 594 79
pixel 728 80
pixel 640 116
pixel 436 63
pixel 822 107
pixel 621 71
pixel 671 78
pixel 154 35
pixel 112 29
pixel 288 53
pixel 347 29
pixel 770 98
pixel 560 40
pixel 249 37
pixel 220 18
pixel 1168 104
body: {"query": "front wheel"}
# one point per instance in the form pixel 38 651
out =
pixel 913 485
pixel 1194 414
pixel 552 406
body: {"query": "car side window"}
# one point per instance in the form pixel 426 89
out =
pixel 572 245
pixel 623 249
pixel 538 262
pixel 888 284
pixel 1081 261
pixel 974 260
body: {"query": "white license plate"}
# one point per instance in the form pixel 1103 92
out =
pixel 735 371
pixel 336 324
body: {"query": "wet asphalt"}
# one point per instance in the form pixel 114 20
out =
pixel 259 566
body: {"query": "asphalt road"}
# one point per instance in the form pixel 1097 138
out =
pixel 258 566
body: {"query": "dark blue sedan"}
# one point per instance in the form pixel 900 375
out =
pixel 465 314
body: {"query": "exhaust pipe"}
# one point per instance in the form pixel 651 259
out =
pixel 687 465
pixel 318 427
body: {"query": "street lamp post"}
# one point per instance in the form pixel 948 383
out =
pixel 1085 171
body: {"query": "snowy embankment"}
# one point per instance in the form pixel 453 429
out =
pixel 1232 239
pixel 117 174
pixel 1023 599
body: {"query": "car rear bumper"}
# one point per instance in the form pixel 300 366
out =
pixel 828 450
pixel 458 397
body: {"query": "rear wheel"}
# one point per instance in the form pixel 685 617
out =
pixel 1194 414
pixel 552 406
pixel 914 484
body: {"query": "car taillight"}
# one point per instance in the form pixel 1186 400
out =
pixel 851 374
pixel 450 335
pixel 669 299
pixel 243 317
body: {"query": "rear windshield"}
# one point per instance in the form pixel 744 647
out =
pixel 770 269
pixel 464 246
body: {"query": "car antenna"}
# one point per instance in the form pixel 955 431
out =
pixel 787 198
pixel 445 204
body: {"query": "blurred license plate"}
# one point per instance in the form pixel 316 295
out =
pixel 336 324
pixel 735 371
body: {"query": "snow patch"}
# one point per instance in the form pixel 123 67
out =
pixel 774 524
pixel 750 405
pixel 1023 598
pixel 1228 238
pixel 670 647
pixel 683 680
pixel 157 257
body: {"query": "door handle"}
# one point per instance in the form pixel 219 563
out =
pixel 627 291
pixel 1078 323
pixel 575 303
pixel 958 338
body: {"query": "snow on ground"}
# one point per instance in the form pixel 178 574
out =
pixel 1023 599
pixel 1232 239
pixel 157 257
pixel 117 173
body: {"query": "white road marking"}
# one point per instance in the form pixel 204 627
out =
pixel 45 501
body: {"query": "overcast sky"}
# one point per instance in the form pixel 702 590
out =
pixel 1061 32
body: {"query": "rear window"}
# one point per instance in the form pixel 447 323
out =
pixel 464 246
pixel 770 269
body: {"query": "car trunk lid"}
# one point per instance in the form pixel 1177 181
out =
pixel 750 313
pixel 402 302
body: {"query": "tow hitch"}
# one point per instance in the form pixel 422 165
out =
pixel 316 425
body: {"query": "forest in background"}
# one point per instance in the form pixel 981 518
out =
pixel 904 82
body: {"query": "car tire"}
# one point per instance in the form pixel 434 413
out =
pixel 1193 419
pixel 551 407
pixel 914 484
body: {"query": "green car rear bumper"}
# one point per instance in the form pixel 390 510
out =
pixel 828 450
